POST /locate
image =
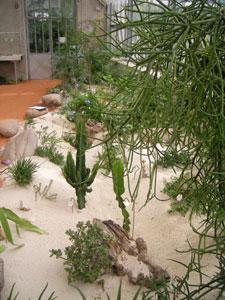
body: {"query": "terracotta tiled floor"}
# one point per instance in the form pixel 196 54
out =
pixel 16 98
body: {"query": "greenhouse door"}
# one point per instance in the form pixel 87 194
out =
pixel 48 22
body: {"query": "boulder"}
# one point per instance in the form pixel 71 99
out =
pixel 34 113
pixel 21 145
pixel 9 128
pixel 52 100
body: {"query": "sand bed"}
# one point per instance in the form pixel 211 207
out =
pixel 30 267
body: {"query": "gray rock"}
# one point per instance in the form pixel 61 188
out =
pixel 21 145
pixel 34 113
pixel 52 100
pixel 9 128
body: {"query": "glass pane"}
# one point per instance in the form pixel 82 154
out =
pixel 55 8
pixel 38 8
pixel 39 35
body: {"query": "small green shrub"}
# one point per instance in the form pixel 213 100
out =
pixel 86 105
pixel 57 89
pixel 49 141
pixel 173 158
pixel 22 171
pixel 29 122
pixel 187 196
pixel 51 153
pixel 87 257
pixel 3 80
pixel 70 138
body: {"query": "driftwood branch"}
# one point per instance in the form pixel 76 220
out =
pixel 129 256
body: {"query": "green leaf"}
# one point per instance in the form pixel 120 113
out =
pixel 5 226
pixel 119 294
pixel 23 223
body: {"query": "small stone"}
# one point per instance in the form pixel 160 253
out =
pixel 34 113
pixel 6 162
pixel 9 128
pixel 52 100
pixel 179 197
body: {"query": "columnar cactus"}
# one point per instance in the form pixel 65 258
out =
pixel 77 175
pixel 119 189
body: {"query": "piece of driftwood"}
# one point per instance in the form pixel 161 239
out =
pixel 130 257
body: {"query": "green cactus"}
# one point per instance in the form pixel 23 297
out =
pixel 77 175
pixel 118 187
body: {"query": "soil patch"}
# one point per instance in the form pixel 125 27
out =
pixel 16 98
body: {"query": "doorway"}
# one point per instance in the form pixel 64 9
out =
pixel 48 22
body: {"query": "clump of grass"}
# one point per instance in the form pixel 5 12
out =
pixel 70 138
pixel 29 122
pixel 173 158
pixel 22 171
pixel 51 153
pixel 48 147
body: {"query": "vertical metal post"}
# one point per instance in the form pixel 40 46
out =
pixel 75 15
pixel 50 35
pixel 131 16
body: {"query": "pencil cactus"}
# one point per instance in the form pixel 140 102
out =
pixel 118 187
pixel 77 175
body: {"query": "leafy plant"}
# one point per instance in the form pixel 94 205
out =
pixel 87 257
pixel 77 175
pixel 8 215
pixel 70 138
pixel 186 196
pixel 51 153
pixel 86 105
pixel 118 188
pixel 48 147
pixel 70 61
pixel 29 122
pixel 3 80
pixel 12 297
pixel 48 139
pixel 22 171
pixel 56 89
pixel 172 157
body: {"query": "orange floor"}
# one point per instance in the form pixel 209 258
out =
pixel 16 98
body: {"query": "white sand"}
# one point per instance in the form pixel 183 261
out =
pixel 30 267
